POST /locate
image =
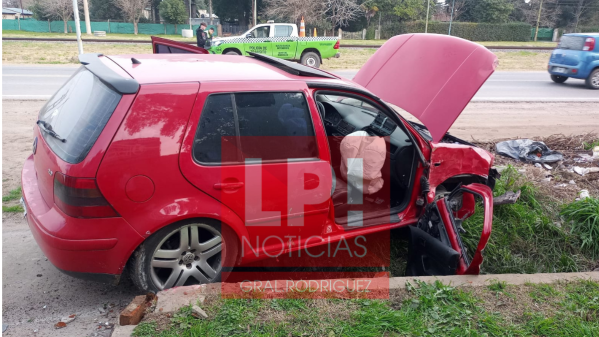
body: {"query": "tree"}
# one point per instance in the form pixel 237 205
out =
pixel 410 9
pixel 173 11
pixel 492 11
pixel 236 11
pixel 369 12
pixel 132 10
pixel 62 9
pixel 104 10
pixel 528 12
pixel 337 12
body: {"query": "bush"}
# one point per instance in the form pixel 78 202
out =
pixel 466 30
pixel 584 215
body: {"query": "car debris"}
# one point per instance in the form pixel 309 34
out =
pixel 585 170
pixel 64 321
pixel 197 312
pixel 528 150
pixel 583 194
pixel 508 197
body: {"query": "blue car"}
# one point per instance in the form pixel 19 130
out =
pixel 576 56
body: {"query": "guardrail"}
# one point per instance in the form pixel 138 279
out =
pixel 146 41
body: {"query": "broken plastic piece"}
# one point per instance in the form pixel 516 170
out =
pixel 585 170
pixel 508 197
pixel 528 150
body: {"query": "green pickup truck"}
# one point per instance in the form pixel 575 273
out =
pixel 278 40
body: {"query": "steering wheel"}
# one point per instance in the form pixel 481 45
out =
pixel 321 110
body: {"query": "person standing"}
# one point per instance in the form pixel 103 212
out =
pixel 201 35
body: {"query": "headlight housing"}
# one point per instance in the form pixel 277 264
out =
pixel 216 43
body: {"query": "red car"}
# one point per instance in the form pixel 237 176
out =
pixel 179 166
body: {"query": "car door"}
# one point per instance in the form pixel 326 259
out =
pixel 166 46
pixel 259 41
pixel 283 44
pixel 436 246
pixel 257 153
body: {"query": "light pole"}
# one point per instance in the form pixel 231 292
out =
pixel 538 20
pixel 77 28
pixel 428 6
pixel 451 18
pixel 190 14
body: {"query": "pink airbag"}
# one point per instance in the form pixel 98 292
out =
pixel 364 173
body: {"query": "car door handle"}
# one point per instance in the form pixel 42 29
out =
pixel 228 186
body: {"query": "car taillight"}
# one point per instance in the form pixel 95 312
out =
pixel 336 45
pixel 589 44
pixel 80 197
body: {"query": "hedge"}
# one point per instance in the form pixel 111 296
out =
pixel 466 30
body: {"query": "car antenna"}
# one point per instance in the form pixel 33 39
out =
pixel 135 61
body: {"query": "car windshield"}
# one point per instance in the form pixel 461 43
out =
pixel 571 42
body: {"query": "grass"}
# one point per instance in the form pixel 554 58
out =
pixel 12 195
pixel 584 218
pixel 12 209
pixel 590 145
pixel 569 309
pixel 525 237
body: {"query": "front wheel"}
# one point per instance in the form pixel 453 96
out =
pixel 232 52
pixel 558 78
pixel 310 59
pixel 593 80
pixel 181 254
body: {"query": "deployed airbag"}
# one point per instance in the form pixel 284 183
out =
pixel 362 158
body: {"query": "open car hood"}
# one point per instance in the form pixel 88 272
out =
pixel 433 77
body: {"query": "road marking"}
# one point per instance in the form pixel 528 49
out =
pixel 25 97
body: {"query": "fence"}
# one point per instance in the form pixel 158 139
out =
pixel 31 25
pixel 545 34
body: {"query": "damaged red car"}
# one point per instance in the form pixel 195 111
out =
pixel 176 167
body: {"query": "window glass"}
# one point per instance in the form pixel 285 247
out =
pixel 571 42
pixel 275 126
pixel 215 138
pixel 180 51
pixel 281 31
pixel 261 32
pixel 78 112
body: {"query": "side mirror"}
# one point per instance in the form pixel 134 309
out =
pixel 248 36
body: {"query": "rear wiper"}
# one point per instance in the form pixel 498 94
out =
pixel 47 128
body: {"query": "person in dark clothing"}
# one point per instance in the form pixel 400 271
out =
pixel 201 35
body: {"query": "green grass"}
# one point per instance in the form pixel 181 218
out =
pixel 12 209
pixel 525 237
pixel 591 145
pixel 419 310
pixel 584 217
pixel 12 195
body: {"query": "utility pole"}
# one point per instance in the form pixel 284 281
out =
pixel 578 14
pixel 538 20
pixel 428 6
pixel 451 18
pixel 190 14
pixel 254 14
pixel 88 27
pixel 379 25
pixel 77 28
pixel 210 8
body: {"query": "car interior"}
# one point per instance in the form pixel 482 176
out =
pixel 345 114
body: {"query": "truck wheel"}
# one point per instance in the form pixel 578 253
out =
pixel 593 80
pixel 184 253
pixel 310 59
pixel 558 78
pixel 232 52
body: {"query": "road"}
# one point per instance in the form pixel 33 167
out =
pixel 40 82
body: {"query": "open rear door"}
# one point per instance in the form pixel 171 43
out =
pixel 436 247
pixel 166 46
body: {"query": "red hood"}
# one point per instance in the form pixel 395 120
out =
pixel 433 77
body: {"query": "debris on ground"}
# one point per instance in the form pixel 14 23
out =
pixel 64 321
pixel 528 150
pixel 585 170
pixel 508 197
pixel 197 312
pixel 134 312
pixel 583 194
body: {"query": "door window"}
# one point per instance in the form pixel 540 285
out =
pixel 261 32
pixel 241 127
pixel 283 31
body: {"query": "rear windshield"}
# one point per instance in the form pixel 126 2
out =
pixel 571 42
pixel 78 113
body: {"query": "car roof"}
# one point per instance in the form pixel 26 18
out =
pixel 165 68
pixel 583 34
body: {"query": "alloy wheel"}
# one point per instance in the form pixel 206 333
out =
pixel 595 80
pixel 189 255
pixel 311 61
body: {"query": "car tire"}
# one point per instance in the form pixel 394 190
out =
pixel 163 261
pixel 558 78
pixel 593 80
pixel 310 59
pixel 232 52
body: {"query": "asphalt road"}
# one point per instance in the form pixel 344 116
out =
pixel 40 82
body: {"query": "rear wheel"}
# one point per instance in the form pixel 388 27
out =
pixel 232 52
pixel 593 80
pixel 311 59
pixel 558 78
pixel 180 254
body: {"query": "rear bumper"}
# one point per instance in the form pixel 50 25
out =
pixel 570 71
pixel 76 246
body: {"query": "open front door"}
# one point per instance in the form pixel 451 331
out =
pixel 436 247
pixel 166 46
